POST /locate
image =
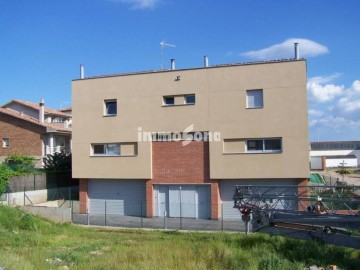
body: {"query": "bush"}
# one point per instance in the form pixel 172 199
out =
pixel 20 163
pixel 15 165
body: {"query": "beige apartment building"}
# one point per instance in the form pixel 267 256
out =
pixel 176 142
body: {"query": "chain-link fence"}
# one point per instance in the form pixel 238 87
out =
pixel 172 216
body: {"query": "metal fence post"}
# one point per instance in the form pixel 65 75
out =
pixel 180 211
pixel 88 218
pixel 24 196
pixel 222 216
pixel 141 215
pixel 72 211
pixel 70 196
pixel 165 220
pixel 105 213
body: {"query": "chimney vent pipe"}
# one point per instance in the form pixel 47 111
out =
pixel 296 48
pixel 206 61
pixel 42 111
pixel 172 67
pixel 82 72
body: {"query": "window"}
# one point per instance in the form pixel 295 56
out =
pixel 189 99
pixel 110 149
pixel 55 119
pixel 5 142
pixel 169 101
pixel 264 145
pixel 114 149
pixel 254 99
pixel 110 107
pixel 179 100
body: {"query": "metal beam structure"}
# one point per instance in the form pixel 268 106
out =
pixel 328 213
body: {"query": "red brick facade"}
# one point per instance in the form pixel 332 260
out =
pixel 175 163
pixel 24 137
pixel 83 195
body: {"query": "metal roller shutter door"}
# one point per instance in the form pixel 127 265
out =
pixel 122 197
pixel 227 190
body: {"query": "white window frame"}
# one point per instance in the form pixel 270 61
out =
pixel 5 142
pixel 253 93
pixel 107 151
pixel 264 150
pixel 106 102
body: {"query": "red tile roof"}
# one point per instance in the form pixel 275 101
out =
pixel 55 126
pixel 36 106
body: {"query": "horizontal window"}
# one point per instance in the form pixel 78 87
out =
pixel 263 145
pixel 110 107
pixel 5 142
pixel 239 146
pixel 178 100
pixel 114 149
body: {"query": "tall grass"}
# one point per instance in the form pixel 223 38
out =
pixel 28 242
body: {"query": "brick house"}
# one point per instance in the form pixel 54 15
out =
pixel 176 142
pixel 32 129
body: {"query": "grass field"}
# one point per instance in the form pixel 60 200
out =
pixel 28 242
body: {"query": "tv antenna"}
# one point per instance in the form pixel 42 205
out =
pixel 163 44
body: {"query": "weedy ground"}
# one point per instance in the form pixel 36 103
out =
pixel 28 242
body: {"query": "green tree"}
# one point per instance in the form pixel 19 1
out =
pixel 60 161
pixel 342 170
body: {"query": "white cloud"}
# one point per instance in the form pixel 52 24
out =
pixel 139 4
pixel 307 48
pixel 350 102
pixel 335 123
pixel 313 112
pixel 324 93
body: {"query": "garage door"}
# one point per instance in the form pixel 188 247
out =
pixel 227 190
pixel 188 201
pixel 122 197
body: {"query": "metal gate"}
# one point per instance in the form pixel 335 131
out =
pixel 187 201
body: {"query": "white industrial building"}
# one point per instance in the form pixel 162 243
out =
pixel 334 154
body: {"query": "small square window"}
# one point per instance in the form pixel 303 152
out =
pixel 255 145
pixel 6 142
pixel 189 99
pixel 99 149
pixel 169 101
pixel 110 107
pixel 254 99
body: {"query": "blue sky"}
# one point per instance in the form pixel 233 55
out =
pixel 44 42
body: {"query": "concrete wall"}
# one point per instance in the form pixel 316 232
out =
pixel 220 107
pixel 38 196
pixel 60 215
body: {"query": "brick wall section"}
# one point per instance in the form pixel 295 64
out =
pixel 83 195
pixel 174 163
pixel 25 137
pixel 302 192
